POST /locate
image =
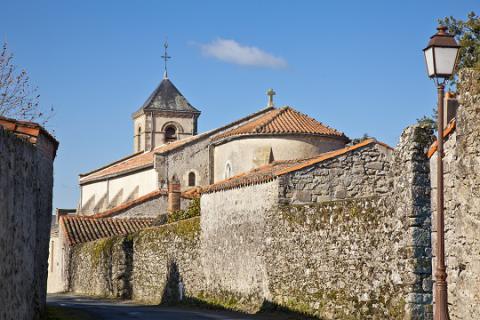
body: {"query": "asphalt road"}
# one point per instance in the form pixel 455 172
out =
pixel 117 310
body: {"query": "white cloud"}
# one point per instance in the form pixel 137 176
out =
pixel 233 52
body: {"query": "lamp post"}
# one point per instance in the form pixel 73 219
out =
pixel 441 55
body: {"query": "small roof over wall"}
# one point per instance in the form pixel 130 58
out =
pixel 80 229
pixel 30 131
pixel 448 131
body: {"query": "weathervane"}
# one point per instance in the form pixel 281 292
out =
pixel 165 58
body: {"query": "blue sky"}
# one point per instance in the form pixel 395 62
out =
pixel 354 65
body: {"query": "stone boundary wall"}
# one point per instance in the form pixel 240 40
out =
pixel 233 243
pixel 261 246
pixel 462 202
pixel 26 181
pixel 360 173
pixel 343 259
pixel 154 265
pixel 410 200
pixel 354 257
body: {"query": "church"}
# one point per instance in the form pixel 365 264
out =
pixel 167 147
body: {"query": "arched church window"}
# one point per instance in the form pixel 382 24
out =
pixel 228 170
pixel 191 179
pixel 170 134
pixel 139 139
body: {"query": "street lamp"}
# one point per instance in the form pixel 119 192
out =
pixel 441 55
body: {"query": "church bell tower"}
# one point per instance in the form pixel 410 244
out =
pixel 165 117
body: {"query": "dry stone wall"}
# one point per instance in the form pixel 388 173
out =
pixel 462 202
pixel 26 181
pixel 360 173
pixel 343 259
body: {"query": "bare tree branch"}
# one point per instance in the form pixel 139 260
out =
pixel 18 98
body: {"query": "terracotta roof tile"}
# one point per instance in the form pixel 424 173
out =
pixel 282 121
pixel 256 176
pixel 80 229
pixel 134 162
pixel 448 130
pixel 26 129
pixel 269 172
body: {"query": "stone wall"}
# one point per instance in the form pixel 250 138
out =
pixel 357 247
pixel 410 201
pixel 183 160
pixel 26 181
pixel 343 259
pixel 233 243
pixel 355 257
pixel 360 173
pixel 151 208
pixel 462 202
pixel 155 265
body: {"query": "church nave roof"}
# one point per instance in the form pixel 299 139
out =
pixel 285 120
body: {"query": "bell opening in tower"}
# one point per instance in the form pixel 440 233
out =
pixel 170 134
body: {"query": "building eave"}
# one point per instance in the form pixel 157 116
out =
pixel 274 135
pixel 116 174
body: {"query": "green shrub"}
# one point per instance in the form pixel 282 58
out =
pixel 193 210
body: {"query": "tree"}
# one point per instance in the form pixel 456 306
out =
pixel 18 98
pixel 361 139
pixel 467 34
pixel 429 122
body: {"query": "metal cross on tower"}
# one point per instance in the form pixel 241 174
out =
pixel 165 58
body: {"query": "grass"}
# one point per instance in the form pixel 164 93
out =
pixel 63 313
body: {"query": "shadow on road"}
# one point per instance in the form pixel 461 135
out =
pixel 88 308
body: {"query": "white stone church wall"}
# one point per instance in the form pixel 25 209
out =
pixel 117 190
pixel 245 154
pixel 146 181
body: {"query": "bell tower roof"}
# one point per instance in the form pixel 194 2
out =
pixel 166 97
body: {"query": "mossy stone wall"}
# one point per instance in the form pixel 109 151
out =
pixel 343 259
pixel 343 256
pixel 153 265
